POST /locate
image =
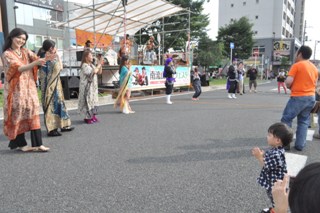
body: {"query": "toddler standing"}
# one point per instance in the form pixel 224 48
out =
pixel 273 161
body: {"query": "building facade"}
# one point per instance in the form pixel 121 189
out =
pixel 278 27
pixel 37 18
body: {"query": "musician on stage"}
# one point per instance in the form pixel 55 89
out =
pixel 150 50
pixel 125 46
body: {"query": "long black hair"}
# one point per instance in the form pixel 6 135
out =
pixel 124 59
pixel 14 33
pixel 46 45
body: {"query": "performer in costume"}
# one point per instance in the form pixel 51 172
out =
pixel 88 90
pixel 87 45
pixel 125 86
pixel 150 51
pixel 169 71
pixel 55 111
pixel 21 103
pixel 125 46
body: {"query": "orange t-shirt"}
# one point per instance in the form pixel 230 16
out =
pixel 305 76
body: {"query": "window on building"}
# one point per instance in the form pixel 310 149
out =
pixel 256 32
pixel 38 41
pixel 257 17
pixel 284 16
pixel 257 1
pixel 24 14
pixel 244 3
pixel 232 5
pixel 30 43
pixel 261 49
pixel 283 31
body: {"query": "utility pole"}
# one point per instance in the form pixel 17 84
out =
pixel 315 49
pixel 304 32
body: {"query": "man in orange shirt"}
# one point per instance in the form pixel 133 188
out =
pixel 301 80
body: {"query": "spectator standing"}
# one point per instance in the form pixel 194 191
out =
pixel 252 74
pixel 302 79
pixel 303 196
pixel 317 134
pixel 280 79
pixel 273 161
pixel 21 103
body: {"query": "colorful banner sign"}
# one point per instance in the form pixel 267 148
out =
pixel 281 49
pixel 149 77
pixel 47 4
pixel 103 40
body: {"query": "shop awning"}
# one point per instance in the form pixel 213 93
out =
pixel 107 17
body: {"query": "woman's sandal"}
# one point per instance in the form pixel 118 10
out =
pixel 26 148
pixel 41 149
pixel 53 133
pixel 67 129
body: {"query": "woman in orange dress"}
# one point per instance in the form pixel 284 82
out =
pixel 21 103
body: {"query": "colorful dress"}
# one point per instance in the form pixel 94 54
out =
pixel 54 108
pixel 88 91
pixel 21 103
pixel 125 81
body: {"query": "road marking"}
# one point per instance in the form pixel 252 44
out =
pixel 295 163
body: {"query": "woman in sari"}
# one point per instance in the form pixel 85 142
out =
pixel 21 103
pixel 54 109
pixel 125 86
pixel 88 90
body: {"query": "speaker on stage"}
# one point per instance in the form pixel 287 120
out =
pixel 79 55
pixel 65 86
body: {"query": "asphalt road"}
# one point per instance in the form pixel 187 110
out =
pixel 192 156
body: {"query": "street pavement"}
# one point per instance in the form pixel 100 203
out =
pixel 192 156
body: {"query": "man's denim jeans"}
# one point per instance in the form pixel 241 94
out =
pixel 299 107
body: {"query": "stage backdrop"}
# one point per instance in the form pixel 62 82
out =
pixel 150 77
pixel 82 36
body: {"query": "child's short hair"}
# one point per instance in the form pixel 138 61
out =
pixel 283 132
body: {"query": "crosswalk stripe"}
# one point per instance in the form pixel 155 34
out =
pixel 295 163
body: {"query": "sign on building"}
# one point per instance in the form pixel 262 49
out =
pixel 281 49
pixel 47 4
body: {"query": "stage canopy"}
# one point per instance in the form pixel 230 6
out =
pixel 106 17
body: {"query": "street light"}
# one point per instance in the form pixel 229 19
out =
pixel 315 49
pixel 15 15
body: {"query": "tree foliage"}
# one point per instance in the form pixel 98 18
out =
pixel 208 52
pixel 176 26
pixel 240 33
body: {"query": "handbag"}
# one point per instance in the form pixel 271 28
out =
pixel 316 107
